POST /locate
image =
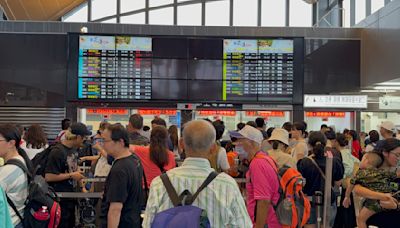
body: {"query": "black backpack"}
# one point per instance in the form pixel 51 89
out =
pixel 40 160
pixel 42 208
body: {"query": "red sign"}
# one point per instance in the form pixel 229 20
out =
pixel 266 113
pixel 107 111
pixel 156 112
pixel 217 113
pixel 326 114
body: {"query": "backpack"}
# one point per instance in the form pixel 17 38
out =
pixel 42 208
pixel 293 207
pixel 40 160
pixel 183 215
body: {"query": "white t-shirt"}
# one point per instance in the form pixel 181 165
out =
pixel 31 152
pixel 300 148
pixel 14 182
pixel 222 159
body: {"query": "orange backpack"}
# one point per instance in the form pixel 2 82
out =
pixel 293 207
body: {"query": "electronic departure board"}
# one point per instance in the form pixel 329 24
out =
pixel 114 67
pixel 257 68
pixel 128 68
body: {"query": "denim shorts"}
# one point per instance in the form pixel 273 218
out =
pixel 313 214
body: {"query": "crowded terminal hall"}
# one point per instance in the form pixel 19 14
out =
pixel 200 113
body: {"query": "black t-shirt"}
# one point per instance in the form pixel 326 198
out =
pixel 314 180
pixel 62 159
pixel 124 185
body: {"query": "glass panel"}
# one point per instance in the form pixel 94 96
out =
pixel 346 15
pixel 134 19
pixel 217 13
pixel 273 13
pixel 79 14
pixel 154 3
pixel 360 10
pixel 245 12
pixel 300 14
pixel 112 20
pixel 376 5
pixel 131 5
pixel 162 16
pixel 103 8
pixel 370 120
pixel 189 15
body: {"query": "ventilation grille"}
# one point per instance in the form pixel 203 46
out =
pixel 49 118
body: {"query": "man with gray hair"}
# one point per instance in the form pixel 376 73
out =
pixel 220 199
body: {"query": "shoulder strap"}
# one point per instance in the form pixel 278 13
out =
pixel 12 205
pixel 146 188
pixel 170 190
pixel 316 165
pixel 209 179
pixel 20 165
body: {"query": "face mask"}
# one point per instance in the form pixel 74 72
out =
pixel 241 152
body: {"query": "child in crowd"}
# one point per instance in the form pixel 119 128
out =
pixel 369 176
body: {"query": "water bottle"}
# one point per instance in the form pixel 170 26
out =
pixel 287 203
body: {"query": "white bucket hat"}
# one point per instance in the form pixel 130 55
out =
pixel 280 135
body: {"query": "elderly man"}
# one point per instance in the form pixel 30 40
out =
pixel 221 198
pixel 261 180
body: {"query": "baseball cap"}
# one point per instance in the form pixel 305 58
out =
pixel 79 129
pixel 388 125
pixel 281 135
pixel 248 132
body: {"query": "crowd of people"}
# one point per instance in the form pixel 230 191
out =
pixel 136 161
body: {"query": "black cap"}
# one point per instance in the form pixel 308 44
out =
pixel 80 129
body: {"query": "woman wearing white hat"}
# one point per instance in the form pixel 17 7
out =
pixel 280 141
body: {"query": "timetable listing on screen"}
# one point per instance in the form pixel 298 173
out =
pixel 114 67
pixel 268 61
pixel 114 88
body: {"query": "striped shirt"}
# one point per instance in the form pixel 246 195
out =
pixel 15 183
pixel 221 199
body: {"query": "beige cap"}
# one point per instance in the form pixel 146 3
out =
pixel 281 135
pixel 388 125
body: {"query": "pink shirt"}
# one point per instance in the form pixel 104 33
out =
pixel 151 170
pixel 262 184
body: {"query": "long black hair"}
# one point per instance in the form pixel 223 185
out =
pixel 318 142
pixel 11 132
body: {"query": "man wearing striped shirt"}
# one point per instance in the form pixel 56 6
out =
pixel 221 198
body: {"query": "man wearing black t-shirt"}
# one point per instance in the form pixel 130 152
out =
pixel 121 205
pixel 62 169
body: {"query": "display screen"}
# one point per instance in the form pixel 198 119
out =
pixel 114 67
pixel 127 68
pixel 257 68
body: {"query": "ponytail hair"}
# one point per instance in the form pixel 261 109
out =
pixel 158 146
pixel 318 142
pixel 275 144
pixel 11 132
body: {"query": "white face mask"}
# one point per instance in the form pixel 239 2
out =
pixel 241 152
